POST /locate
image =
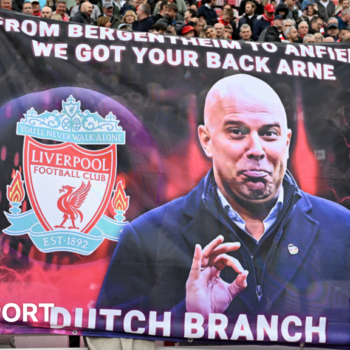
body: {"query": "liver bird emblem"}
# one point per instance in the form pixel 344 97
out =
pixel 70 203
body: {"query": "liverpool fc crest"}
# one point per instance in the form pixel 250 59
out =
pixel 68 186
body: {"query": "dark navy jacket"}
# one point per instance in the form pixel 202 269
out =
pixel 151 264
pixel 143 26
pixel 259 26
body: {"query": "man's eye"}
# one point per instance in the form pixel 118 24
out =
pixel 236 132
pixel 271 134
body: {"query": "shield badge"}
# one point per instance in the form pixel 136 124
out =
pixel 71 107
pixel 69 187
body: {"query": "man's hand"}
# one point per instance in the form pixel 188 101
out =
pixel 206 292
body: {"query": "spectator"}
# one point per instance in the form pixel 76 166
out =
pixel 198 27
pixel 344 19
pixel 305 3
pixel 56 17
pixel 129 5
pixel 188 31
pixel 46 12
pixel 334 21
pixel 318 38
pixel 259 7
pixel 326 9
pixel 303 29
pixel 158 28
pixel 220 31
pixel 83 16
pixel 144 22
pixel 181 7
pixel 6 4
pixel 162 9
pixel 108 10
pixel 342 32
pixel 174 26
pixel 292 35
pixel 282 9
pixel 228 31
pixel 309 13
pixel 189 14
pixel 309 39
pixel 96 13
pixel 345 6
pixel 333 31
pixel 208 11
pixel 202 20
pixel 210 32
pixel 293 12
pixel 329 39
pixel 61 9
pixel 346 37
pixel 316 25
pixel 36 8
pixel 245 32
pixel 265 21
pixel 129 18
pixel 27 8
pixel 249 17
pixel 274 33
pixel 226 17
pixel 104 21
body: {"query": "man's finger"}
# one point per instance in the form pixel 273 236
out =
pixel 196 263
pixel 212 245
pixel 224 248
pixel 223 260
pixel 236 287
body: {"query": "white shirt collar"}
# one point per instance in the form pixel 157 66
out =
pixel 237 219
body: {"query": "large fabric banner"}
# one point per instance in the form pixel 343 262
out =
pixel 164 187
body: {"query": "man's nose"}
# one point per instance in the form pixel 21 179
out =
pixel 255 149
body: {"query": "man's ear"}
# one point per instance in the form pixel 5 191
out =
pixel 289 137
pixel 205 140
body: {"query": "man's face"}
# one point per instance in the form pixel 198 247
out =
pixel 36 6
pixel 246 33
pixel 219 29
pixel 108 12
pixel 171 13
pixel 228 32
pixel 346 19
pixel 87 8
pixel 246 136
pixel 199 28
pixel 210 33
pixel 269 14
pixel 290 3
pixel 248 9
pixel 46 12
pixel 6 4
pixel 309 40
pixel 187 15
pixel 333 32
pixel 213 3
pixel 317 25
pixel 27 8
pixel 346 4
pixel 286 26
pixel 61 9
pixel 303 29
pixel 342 33
pixel 278 23
pixel 139 13
pixel 293 35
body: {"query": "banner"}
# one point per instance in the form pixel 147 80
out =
pixel 173 188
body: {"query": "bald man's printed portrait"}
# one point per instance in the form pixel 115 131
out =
pixel 246 240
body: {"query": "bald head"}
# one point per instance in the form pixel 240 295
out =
pixel 245 133
pixel 87 8
pixel 220 30
pixel 242 93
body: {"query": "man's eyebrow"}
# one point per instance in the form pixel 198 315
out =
pixel 277 125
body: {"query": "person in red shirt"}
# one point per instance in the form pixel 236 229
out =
pixel 61 10
pixel 36 8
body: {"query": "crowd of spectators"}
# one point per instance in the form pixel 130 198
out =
pixel 296 21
